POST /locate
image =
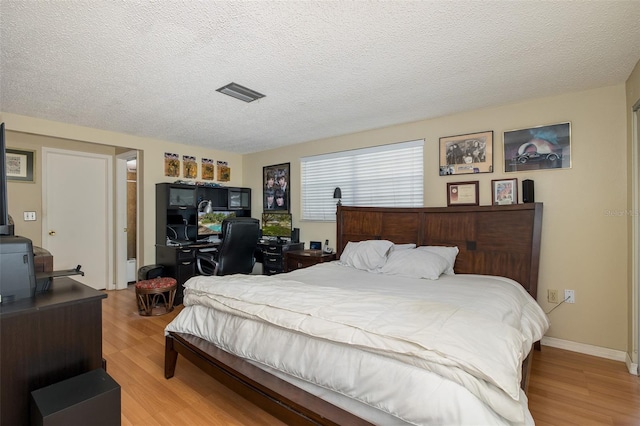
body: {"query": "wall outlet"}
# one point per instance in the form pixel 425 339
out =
pixel 552 296
pixel 570 296
pixel 29 216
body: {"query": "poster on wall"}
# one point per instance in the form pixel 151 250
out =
pixel 276 189
pixel 538 148
pixel 190 167
pixel 207 169
pixel 224 171
pixel 171 164
pixel 465 154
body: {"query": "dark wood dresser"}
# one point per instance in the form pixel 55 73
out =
pixel 46 339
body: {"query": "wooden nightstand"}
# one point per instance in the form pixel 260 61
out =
pixel 304 258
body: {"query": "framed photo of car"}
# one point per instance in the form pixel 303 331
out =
pixel 504 191
pixel 538 148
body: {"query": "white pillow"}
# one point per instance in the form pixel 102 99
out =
pixel 449 253
pixel 415 264
pixel 367 255
pixel 403 246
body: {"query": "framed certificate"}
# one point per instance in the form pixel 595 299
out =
pixel 463 194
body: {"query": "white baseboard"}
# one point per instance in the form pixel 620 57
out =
pixel 598 351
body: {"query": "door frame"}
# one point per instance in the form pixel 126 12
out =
pixel 121 219
pixel 109 202
pixel 635 238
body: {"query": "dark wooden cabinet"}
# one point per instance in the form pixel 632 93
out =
pixel 179 235
pixel 304 258
pixel 177 210
pixel 51 337
pixel 273 256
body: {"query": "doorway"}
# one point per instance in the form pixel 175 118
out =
pixel 126 219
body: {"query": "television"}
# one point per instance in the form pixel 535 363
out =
pixel 276 225
pixel 5 227
pixel 210 224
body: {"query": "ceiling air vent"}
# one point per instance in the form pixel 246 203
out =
pixel 240 92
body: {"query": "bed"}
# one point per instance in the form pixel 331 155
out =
pixel 321 361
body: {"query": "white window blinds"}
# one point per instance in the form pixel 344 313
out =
pixel 385 176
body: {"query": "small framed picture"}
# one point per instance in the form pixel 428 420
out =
pixel 465 154
pixel 463 194
pixel 19 165
pixel 504 191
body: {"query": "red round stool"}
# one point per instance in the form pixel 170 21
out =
pixel 149 292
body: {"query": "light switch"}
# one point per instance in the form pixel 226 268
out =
pixel 28 216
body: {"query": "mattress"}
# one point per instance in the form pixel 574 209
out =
pixel 390 349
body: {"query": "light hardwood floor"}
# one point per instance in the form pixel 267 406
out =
pixel 566 387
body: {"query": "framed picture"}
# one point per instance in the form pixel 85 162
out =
pixel 463 194
pixel 276 190
pixel 20 165
pixel 464 154
pixel 538 148
pixel 504 191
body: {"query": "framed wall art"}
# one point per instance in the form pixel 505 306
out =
pixel 276 188
pixel 504 191
pixel 464 154
pixel 171 164
pixel 538 148
pixel 463 194
pixel 20 165
pixel 189 166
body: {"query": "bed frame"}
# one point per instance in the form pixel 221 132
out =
pixel 493 240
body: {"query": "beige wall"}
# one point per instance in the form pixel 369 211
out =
pixel 585 230
pixel 31 133
pixel 633 97
pixel 584 241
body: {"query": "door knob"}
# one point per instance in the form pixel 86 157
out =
pixel 52 233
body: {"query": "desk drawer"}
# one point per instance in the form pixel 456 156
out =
pixel 272 261
pixel 185 254
pixel 271 250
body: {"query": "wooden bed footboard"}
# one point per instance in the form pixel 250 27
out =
pixel 279 398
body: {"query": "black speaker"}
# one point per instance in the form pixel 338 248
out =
pixel 295 235
pixel 528 195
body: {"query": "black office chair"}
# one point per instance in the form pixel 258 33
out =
pixel 235 255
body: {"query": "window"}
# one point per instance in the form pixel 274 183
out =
pixel 388 176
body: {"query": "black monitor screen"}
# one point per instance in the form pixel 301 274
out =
pixel 211 223
pixel 276 225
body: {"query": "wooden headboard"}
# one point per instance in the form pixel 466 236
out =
pixel 493 240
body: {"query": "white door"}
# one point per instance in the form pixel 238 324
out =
pixel 77 214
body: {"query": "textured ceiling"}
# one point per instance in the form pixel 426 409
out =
pixel 151 68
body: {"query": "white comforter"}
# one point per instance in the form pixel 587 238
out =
pixel 444 351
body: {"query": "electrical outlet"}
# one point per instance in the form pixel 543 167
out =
pixel 570 296
pixel 28 216
pixel 552 296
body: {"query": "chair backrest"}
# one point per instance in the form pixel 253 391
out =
pixel 236 254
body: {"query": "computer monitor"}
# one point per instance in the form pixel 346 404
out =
pixel 211 223
pixel 276 225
